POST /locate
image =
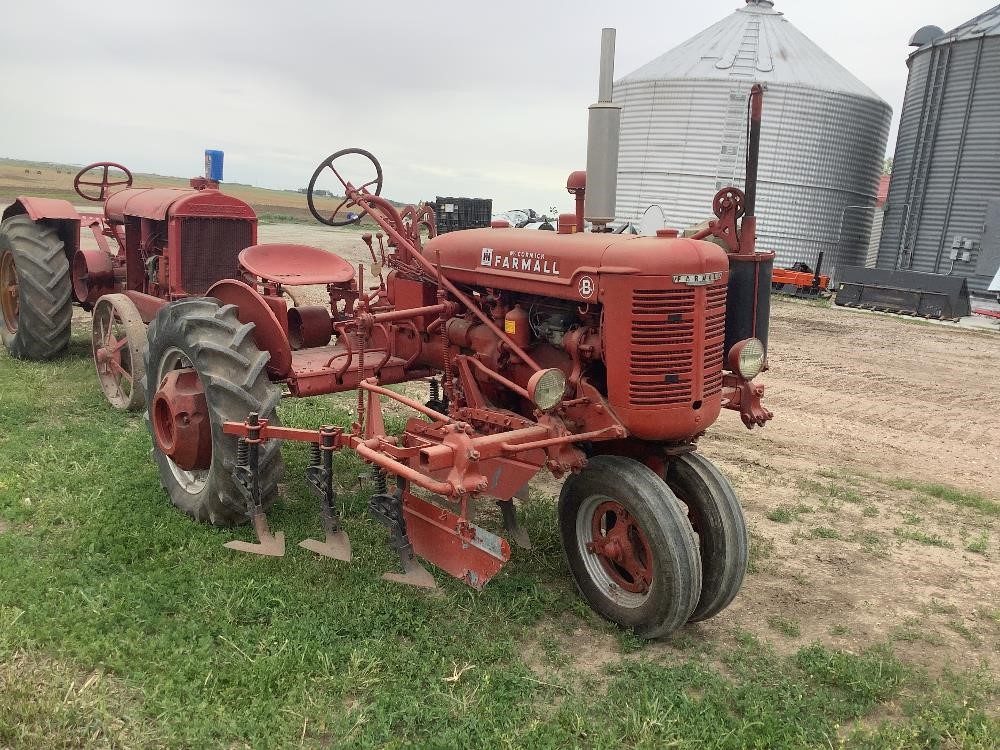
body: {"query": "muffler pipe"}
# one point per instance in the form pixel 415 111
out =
pixel 603 132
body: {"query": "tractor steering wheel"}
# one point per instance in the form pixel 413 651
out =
pixel 104 182
pixel 331 220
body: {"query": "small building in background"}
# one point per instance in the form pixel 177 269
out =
pixel 943 211
pixel 683 137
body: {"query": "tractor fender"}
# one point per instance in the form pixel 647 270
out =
pixel 269 334
pixel 42 208
pixel 55 212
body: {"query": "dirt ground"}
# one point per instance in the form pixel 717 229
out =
pixel 850 547
pixel 867 405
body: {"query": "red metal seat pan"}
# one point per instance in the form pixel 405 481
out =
pixel 295 265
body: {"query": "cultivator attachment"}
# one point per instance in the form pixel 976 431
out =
pixel 423 458
pixel 388 510
pixel 246 475
pixel 454 544
pixel 268 544
pixel 514 529
pixel 319 477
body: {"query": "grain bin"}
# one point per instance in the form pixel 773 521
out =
pixel 943 212
pixel 683 137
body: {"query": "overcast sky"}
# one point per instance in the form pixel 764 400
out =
pixel 457 98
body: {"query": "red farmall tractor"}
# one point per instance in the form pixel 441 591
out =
pixel 595 356
pixel 154 246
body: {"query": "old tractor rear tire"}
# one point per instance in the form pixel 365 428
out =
pixel 201 334
pixel 716 516
pixel 118 338
pixel 35 291
pixel 630 547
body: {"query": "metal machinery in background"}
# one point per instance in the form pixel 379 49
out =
pixel 801 280
pixel 155 245
pixel 595 356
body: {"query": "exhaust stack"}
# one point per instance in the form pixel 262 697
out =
pixel 602 143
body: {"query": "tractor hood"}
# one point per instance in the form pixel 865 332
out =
pixel 558 264
pixel 158 203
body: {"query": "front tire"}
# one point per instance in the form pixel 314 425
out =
pixel 118 338
pixel 715 513
pixel 629 545
pixel 201 335
pixel 35 291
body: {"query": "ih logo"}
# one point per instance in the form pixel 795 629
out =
pixel 487 257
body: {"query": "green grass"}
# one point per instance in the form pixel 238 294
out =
pixel 980 545
pixel 785 626
pixel 125 624
pixel 824 532
pixel 929 540
pixel 840 487
pixel 788 513
pixel 961 498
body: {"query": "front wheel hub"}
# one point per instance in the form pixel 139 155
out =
pixel 182 428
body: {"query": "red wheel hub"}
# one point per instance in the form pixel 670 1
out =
pixel 622 547
pixel 181 424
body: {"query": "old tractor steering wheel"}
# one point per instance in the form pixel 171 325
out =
pixel 331 219
pixel 104 183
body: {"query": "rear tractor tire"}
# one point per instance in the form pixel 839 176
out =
pixel 630 546
pixel 118 339
pixel 717 518
pixel 35 290
pixel 216 356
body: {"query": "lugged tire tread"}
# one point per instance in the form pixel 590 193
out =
pixel 46 305
pixel 206 332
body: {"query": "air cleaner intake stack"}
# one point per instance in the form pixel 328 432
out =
pixel 602 143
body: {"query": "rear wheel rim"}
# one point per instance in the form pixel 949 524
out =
pixel 9 298
pixel 615 551
pixel 112 355
pixel 193 481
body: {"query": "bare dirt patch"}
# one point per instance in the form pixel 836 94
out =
pixel 860 402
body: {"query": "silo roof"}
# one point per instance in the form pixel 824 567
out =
pixel 985 24
pixel 756 44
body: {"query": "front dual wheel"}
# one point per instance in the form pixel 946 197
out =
pixel 649 554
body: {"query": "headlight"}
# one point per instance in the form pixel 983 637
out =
pixel 546 388
pixel 746 358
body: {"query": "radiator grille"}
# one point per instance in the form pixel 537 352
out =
pixel 715 338
pixel 210 251
pixel 662 364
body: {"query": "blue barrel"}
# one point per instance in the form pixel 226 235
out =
pixel 213 165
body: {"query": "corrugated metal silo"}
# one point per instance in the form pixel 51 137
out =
pixel 943 213
pixel 822 142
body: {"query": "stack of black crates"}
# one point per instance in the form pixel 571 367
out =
pixel 452 214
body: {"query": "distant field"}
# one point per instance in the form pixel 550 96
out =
pixel 49 180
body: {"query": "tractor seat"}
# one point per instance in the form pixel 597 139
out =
pixel 295 265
